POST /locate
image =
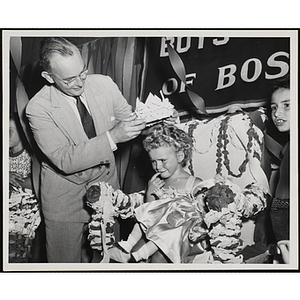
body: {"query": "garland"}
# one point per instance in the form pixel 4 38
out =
pixel 190 132
pixel 24 219
pixel 223 141
pixel 24 213
pixel 227 204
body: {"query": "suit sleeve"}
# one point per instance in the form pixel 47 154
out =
pixel 121 107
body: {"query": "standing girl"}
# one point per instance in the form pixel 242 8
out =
pixel 280 114
pixel 19 157
pixel 24 214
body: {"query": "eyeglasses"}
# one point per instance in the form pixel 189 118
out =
pixel 70 82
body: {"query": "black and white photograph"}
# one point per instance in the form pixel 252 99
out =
pixel 150 150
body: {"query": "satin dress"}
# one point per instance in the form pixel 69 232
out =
pixel 167 221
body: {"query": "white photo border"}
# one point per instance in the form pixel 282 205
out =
pixel 294 250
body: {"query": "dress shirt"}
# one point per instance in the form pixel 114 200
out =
pixel 72 102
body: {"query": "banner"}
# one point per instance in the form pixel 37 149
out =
pixel 223 71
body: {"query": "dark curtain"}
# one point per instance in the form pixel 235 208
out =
pixel 121 58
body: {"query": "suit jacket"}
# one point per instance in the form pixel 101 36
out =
pixel 73 161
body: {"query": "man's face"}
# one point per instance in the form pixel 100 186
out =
pixel 280 109
pixel 68 73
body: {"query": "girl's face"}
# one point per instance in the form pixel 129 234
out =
pixel 280 109
pixel 14 137
pixel 165 160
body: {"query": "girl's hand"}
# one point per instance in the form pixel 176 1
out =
pixel 15 179
pixel 284 247
pixel 154 183
pixel 200 203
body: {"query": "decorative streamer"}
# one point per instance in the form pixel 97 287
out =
pixel 178 66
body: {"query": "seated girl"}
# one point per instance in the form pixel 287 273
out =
pixel 171 214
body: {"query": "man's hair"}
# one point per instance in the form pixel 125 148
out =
pixel 52 45
pixel 282 83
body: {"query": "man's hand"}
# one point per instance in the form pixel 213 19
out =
pixel 127 129
pixel 174 119
pixel 155 182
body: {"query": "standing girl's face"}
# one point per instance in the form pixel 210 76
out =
pixel 166 161
pixel 14 137
pixel 280 109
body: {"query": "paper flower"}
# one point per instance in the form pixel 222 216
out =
pixel 227 203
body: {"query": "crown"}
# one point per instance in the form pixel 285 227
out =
pixel 154 109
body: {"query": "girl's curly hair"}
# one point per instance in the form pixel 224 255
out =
pixel 165 135
pixel 282 83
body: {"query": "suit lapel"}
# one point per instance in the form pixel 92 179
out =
pixel 95 104
pixel 65 117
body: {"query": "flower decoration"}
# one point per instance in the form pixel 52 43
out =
pixel 24 219
pixel 107 204
pixel 226 205
pixel 154 109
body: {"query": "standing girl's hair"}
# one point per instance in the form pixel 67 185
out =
pixel 282 83
pixel 19 130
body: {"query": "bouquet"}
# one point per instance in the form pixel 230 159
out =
pixel 226 205
pixel 107 204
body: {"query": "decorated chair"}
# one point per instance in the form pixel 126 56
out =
pixel 233 145
pixel 230 146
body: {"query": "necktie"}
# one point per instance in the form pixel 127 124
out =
pixel 86 119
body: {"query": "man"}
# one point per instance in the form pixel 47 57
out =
pixel 74 155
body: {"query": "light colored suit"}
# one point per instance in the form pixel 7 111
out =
pixel 73 159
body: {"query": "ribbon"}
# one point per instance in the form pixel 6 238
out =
pixel 178 66
pixel 105 258
pixel 107 217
